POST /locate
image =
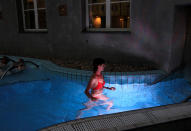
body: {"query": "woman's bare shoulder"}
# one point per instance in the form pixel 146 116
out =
pixel 94 78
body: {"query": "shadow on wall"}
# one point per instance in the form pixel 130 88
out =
pixel 118 55
pixel 142 46
pixel 146 43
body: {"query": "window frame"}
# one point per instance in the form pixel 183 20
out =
pixel 35 9
pixel 108 17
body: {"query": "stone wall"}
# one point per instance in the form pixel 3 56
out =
pixel 150 38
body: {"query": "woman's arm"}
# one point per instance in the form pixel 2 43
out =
pixel 111 88
pixel 91 84
pixel 106 87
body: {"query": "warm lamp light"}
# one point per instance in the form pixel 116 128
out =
pixel 97 22
pixel 121 19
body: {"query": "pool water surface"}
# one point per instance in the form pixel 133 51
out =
pixel 32 105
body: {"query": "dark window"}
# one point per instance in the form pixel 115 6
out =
pixel 32 15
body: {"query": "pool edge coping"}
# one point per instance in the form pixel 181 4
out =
pixel 148 117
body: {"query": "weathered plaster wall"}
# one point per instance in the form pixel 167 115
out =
pixel 178 38
pixel 150 37
pixel 177 46
pixel 181 43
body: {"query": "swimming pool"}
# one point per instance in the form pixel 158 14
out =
pixel 50 97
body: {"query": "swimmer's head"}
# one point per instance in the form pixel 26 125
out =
pixel 97 62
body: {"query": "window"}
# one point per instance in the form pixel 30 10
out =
pixel 108 15
pixel 33 15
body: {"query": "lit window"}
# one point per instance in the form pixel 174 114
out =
pixel 108 14
pixel 34 15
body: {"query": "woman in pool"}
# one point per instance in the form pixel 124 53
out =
pixel 94 90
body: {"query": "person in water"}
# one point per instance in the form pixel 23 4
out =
pixel 4 61
pixel 18 66
pixel 4 64
pixel 95 87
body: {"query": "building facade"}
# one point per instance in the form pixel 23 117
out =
pixel 121 31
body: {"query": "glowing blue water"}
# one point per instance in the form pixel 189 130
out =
pixel 34 105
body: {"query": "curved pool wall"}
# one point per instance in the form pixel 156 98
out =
pixel 38 98
pixel 145 77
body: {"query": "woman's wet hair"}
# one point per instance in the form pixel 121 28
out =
pixel 97 62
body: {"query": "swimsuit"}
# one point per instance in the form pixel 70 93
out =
pixel 99 85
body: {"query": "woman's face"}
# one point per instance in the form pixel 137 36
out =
pixel 101 67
